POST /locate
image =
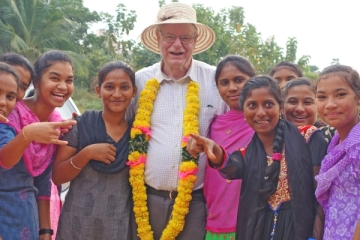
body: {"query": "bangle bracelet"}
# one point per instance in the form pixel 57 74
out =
pixel 76 167
pixel 23 133
pixel 46 231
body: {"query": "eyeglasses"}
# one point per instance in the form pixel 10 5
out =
pixel 170 38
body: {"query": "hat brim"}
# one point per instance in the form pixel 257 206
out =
pixel 205 39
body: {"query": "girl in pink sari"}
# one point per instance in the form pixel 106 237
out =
pixel 27 145
pixel 231 131
pixel 26 73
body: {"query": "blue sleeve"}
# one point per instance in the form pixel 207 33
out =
pixel 7 133
pixel 43 183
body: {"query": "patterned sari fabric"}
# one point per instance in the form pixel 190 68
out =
pixel 338 189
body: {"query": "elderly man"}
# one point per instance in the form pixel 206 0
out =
pixel 166 111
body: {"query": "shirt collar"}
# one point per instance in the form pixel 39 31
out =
pixel 191 73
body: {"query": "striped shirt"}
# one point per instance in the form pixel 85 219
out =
pixel 164 151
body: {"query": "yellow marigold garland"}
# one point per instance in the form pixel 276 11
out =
pixel 140 135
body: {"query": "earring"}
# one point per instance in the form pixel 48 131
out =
pixel 244 120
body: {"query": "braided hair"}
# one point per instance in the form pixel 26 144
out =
pixel 271 174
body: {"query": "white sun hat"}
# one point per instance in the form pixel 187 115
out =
pixel 174 13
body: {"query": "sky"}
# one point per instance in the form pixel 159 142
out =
pixel 324 29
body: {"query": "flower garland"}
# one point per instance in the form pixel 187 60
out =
pixel 140 135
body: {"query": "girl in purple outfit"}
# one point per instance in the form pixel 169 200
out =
pixel 338 189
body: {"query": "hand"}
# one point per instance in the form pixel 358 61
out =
pixel 66 129
pixel 74 114
pixel 197 144
pixel 46 132
pixel 102 152
pixel 3 119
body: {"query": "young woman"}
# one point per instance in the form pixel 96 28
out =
pixel 277 162
pixel 284 72
pixel 300 107
pixel 231 131
pixel 24 70
pixel 27 145
pixel 98 204
pixel 9 84
pixel 338 189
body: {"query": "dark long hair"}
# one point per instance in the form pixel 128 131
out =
pixel 47 59
pixel 7 69
pixel 271 175
pixel 14 59
pixel 241 63
pixel 295 68
pixel 297 82
pixel 110 66
pixel 344 72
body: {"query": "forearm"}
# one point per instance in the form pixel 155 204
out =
pixel 318 230
pixel 66 171
pixel 11 153
pixel 44 214
pixel 233 168
pixel 219 156
pixel 357 232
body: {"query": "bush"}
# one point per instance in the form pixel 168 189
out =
pixel 86 100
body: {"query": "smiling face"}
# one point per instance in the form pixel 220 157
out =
pixel 116 91
pixel 262 111
pixel 337 103
pixel 56 84
pixel 230 83
pixel 283 75
pixel 8 91
pixel 299 107
pixel 176 54
pixel 25 79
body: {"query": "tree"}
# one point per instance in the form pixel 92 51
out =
pixel 33 27
pixel 291 48
pixel 30 27
pixel 335 61
pixel 110 44
pixel 142 57
pixel 161 3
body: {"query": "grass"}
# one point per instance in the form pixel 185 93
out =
pixel 86 100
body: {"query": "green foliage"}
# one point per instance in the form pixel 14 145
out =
pixel 86 100
pixel 31 27
pixel 291 48
pixel 142 57
pixel 161 3
pixel 335 61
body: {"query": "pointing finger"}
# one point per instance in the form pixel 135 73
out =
pixel 64 123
